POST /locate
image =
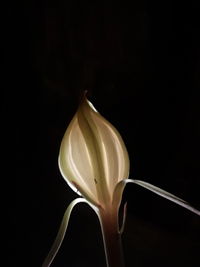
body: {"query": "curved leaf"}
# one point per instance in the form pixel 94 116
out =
pixel 117 196
pixel 166 195
pixel 61 233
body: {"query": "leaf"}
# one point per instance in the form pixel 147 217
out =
pixel 166 195
pixel 61 233
pixel 117 196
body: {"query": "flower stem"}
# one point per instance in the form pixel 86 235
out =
pixel 111 239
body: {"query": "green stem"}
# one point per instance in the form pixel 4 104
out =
pixel 111 239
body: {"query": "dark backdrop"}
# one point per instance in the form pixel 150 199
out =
pixel 140 64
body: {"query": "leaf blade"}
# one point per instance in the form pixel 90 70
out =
pixel 61 232
pixel 166 195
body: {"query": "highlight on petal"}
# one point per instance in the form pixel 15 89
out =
pixel 74 162
pixel 93 157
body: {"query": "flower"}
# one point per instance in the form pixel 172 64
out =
pixel 93 157
pixel 94 162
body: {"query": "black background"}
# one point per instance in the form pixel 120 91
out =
pixel 140 64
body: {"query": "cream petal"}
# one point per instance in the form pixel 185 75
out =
pixel 93 157
pixel 75 163
pixel 113 157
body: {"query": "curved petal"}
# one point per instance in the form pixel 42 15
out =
pixel 111 156
pixel 118 192
pixel 61 233
pixel 75 163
